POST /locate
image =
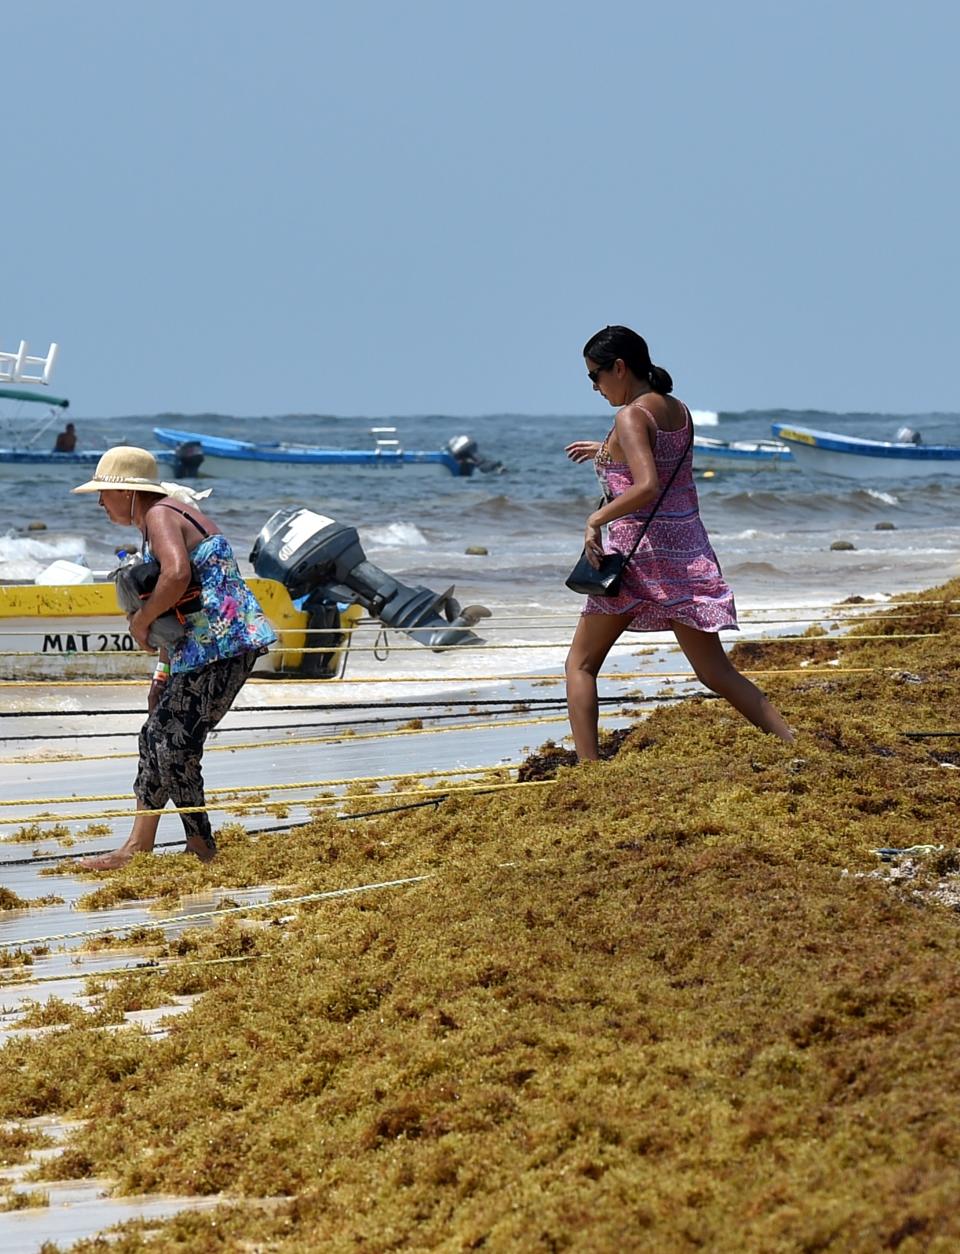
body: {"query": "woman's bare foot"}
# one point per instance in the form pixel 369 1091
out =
pixel 205 852
pixel 112 861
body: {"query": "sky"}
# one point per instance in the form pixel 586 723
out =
pixel 383 208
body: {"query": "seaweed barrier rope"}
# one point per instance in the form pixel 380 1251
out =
pixel 174 920
pixel 265 678
pixel 382 650
pixel 870 612
pixel 294 742
pixel 265 807
pixel 511 702
pixel 273 903
pixel 339 781
pixel 326 706
pixel 38 859
pixel 149 967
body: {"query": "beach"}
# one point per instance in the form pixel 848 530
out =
pixel 446 915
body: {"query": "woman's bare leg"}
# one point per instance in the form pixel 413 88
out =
pixel 595 636
pixel 706 655
pixel 140 840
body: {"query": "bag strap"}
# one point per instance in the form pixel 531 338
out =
pixel 673 474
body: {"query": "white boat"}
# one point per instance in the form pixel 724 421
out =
pixel 830 453
pixel 26 437
pixel 711 454
pixel 223 455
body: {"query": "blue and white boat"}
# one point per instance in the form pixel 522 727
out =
pixel 714 455
pixel 239 458
pixel 852 457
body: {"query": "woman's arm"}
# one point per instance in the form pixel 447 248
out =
pixel 168 547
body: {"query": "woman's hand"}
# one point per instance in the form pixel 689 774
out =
pixel 139 629
pixel 582 450
pixel 154 695
pixel 593 545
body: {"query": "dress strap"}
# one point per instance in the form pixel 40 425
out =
pixel 689 418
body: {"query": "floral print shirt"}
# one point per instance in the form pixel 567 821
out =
pixel 231 621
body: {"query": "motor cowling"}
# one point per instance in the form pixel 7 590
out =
pixel 318 558
pixel 907 435
pixel 187 459
pixel 463 448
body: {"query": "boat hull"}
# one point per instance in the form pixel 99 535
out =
pixel 751 455
pixel 79 632
pixel 846 456
pixel 62 465
pixel 241 458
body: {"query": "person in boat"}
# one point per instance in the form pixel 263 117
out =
pixel 198 678
pixel 66 441
pixel 673 581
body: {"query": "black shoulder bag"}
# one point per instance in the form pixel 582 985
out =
pixel 604 580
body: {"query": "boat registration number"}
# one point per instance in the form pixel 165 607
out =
pixel 800 436
pixel 89 642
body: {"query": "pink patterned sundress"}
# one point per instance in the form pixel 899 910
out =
pixel 674 576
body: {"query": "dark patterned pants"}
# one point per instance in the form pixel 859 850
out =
pixel 172 738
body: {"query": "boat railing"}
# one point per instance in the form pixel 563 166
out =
pixel 387 445
pixel 14 367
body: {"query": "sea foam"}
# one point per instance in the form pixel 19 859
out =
pixel 24 557
pixel 397 535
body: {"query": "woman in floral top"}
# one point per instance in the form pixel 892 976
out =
pixel 198 678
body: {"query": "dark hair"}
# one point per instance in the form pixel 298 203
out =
pixel 612 342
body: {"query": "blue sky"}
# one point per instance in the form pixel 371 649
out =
pixel 366 207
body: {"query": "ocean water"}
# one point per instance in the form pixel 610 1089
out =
pixel 772 530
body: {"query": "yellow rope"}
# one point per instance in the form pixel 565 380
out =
pixel 265 807
pixel 453 679
pixel 242 788
pixel 224 910
pixel 144 968
pixel 298 741
pixel 543 622
pixel 350 649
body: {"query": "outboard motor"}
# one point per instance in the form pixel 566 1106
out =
pixel 187 459
pixel 907 435
pixel 321 560
pixel 463 449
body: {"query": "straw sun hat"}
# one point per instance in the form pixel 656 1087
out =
pixel 129 469
pixel 124 469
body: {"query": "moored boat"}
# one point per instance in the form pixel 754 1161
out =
pixel 853 457
pixel 238 458
pixel 21 433
pixel 711 454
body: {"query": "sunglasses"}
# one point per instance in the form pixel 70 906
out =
pixel 594 375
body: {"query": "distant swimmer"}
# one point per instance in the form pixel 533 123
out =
pixel 671 579
pixel 66 440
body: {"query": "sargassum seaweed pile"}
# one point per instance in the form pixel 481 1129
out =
pixel 663 1004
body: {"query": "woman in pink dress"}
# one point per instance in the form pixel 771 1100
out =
pixel 673 581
